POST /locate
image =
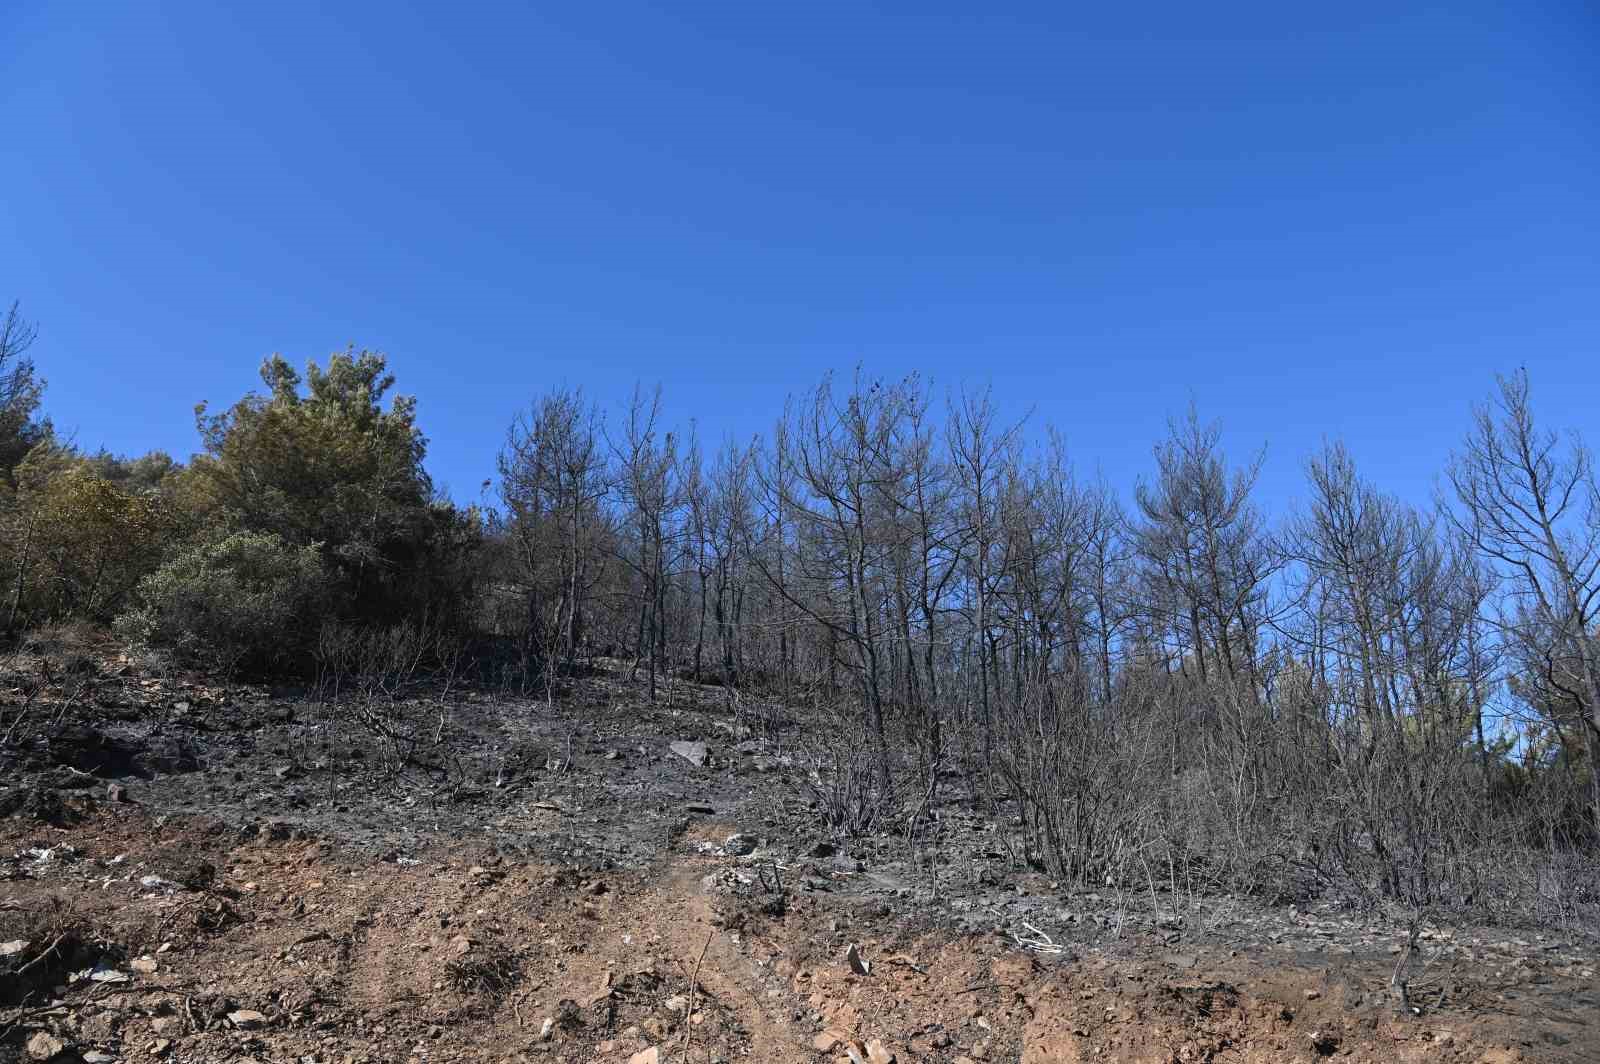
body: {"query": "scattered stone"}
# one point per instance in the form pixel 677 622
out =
pixel 694 753
pixel 160 1046
pixel 1326 1043
pixel 153 882
pixel 739 844
pixel 104 974
pixel 94 1056
pixel 247 1019
pixel 1312 994
pixel 878 1053
pixel 828 1041
pixel 45 1046
pixel 14 948
pixel 275 831
pixel 547 1028
pixel 144 965
pixel 1180 960
pixel 117 794
pixel 166 757
pixel 727 881
pixel 676 1003
pixel 99 1027
pixel 857 962
pixel 651 1055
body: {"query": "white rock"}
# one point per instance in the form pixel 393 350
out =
pixel 694 753
pixel 739 844
pixel 45 1046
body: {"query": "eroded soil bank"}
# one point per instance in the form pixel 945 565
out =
pixel 192 872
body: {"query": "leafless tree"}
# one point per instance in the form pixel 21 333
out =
pixel 983 455
pixel 552 482
pixel 647 476
pixel 1182 694
pixel 1528 500
pixel 20 390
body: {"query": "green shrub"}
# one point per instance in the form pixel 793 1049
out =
pixel 73 544
pixel 247 601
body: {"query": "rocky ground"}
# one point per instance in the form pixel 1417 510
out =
pixel 198 872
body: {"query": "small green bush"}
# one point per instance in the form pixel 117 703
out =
pixel 247 601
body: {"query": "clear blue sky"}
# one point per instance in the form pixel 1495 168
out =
pixel 1316 221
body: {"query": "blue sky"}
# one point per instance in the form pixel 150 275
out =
pixel 1315 222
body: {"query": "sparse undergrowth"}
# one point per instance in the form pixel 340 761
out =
pixel 572 865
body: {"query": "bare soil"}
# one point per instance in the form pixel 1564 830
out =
pixel 555 883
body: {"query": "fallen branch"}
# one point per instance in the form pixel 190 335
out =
pixel 1040 943
pixel 694 986
pixel 51 948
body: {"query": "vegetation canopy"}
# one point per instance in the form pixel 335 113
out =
pixel 1368 699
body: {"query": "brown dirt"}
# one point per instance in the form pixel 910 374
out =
pixel 375 920
pixel 464 955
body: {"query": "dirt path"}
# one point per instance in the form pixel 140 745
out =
pixel 295 952
pixel 267 890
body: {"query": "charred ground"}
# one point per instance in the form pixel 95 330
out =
pixel 200 871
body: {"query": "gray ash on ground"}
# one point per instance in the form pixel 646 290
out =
pixel 254 829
